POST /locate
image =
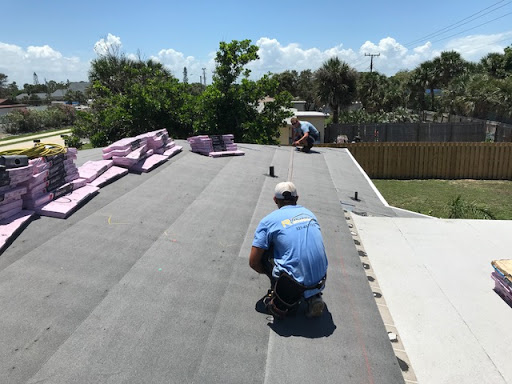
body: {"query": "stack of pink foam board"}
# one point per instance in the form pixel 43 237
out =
pixel 160 142
pixel 201 144
pixel 128 151
pixel 53 176
pixel 502 277
pixel 143 152
pixel 99 173
pixel 55 188
pixel 12 226
pixel 65 205
pixel 214 145
pixel 12 216
pixel 12 190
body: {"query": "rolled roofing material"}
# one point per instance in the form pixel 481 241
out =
pixel 66 205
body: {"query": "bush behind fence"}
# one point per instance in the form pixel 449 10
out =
pixel 420 132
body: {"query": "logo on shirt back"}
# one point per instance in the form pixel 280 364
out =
pixel 299 219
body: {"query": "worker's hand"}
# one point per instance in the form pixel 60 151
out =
pixel 294 143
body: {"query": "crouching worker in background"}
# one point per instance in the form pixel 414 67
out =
pixel 288 248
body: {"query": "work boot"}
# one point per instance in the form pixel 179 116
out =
pixel 316 306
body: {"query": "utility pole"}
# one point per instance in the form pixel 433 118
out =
pixel 371 59
pixel 204 76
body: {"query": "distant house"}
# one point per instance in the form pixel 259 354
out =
pixel 59 94
pixel 316 118
pixel 6 106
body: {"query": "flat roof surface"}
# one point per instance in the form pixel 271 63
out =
pixel 435 278
pixel 149 281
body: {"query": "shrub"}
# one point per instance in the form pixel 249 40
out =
pixel 460 209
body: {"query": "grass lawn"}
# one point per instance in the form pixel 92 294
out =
pixel 434 197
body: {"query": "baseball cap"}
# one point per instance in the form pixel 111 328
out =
pixel 285 190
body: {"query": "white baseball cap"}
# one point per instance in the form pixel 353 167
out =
pixel 285 190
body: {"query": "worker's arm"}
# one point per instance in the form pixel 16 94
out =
pixel 255 259
pixel 303 139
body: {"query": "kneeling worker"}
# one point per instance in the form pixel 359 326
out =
pixel 288 248
pixel 305 134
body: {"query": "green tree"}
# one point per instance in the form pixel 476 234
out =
pixel 234 104
pixel 372 88
pixel 132 97
pixel 288 81
pixel 3 85
pixel 336 84
pixel 306 90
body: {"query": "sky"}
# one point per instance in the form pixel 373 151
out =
pixel 58 39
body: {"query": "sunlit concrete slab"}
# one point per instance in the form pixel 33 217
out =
pixel 435 277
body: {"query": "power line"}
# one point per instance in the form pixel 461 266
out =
pixel 469 29
pixel 459 23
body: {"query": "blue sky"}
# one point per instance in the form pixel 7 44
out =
pixel 58 39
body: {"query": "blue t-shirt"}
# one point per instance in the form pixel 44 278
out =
pixel 299 250
pixel 306 126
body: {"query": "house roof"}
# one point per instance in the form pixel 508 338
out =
pixel 149 282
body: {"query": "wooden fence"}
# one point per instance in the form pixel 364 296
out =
pixel 483 161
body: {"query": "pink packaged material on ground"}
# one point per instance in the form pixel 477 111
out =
pixel 502 288
pixel 110 175
pixel 214 145
pixel 148 163
pixel 9 205
pixel 131 143
pixel 173 151
pixel 92 169
pixel 12 226
pixel 64 206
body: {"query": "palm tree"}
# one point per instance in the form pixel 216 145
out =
pixel 336 82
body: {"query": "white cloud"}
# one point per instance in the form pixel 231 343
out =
pixel 19 64
pixel 474 47
pixel 103 46
pixel 276 58
pixel 175 61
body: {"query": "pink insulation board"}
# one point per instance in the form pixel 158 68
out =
pixel 12 226
pixel 148 163
pixel 502 288
pixel 130 143
pixel 94 168
pixel 110 175
pixel 173 151
pixel 66 205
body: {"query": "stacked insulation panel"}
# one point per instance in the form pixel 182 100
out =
pixel 214 145
pixel 142 153
pixel 12 189
pixel 55 188
pixel 502 277
pixel 13 218
pixel 127 152
pixel 99 173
